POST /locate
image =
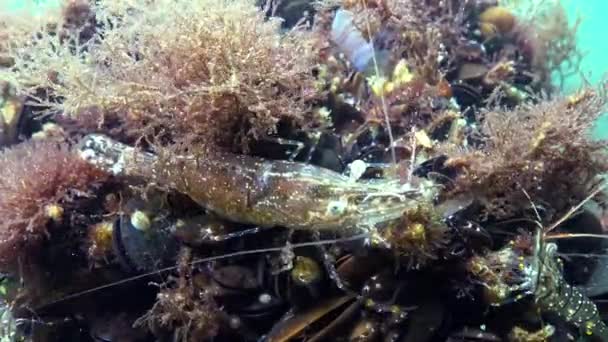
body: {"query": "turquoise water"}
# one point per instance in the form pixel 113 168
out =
pixel 15 5
pixel 591 40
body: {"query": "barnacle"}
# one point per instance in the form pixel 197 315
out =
pixel 54 212
pixel 401 76
pixel 100 240
pixel 50 131
pixel 305 271
pixel 423 139
pixel 416 236
pixel 140 220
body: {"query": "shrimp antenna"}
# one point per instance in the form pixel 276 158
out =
pixel 536 212
pixel 538 261
pixel 382 98
pixel 574 209
pixel 541 235
pixel 361 236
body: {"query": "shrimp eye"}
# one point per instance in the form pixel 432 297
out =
pixel 336 208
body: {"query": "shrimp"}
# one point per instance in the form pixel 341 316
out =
pixel 551 291
pixel 261 192
pixel 553 294
pixel 513 273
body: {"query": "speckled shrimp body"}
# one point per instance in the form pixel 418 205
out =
pixel 512 273
pixel 554 295
pixel 258 191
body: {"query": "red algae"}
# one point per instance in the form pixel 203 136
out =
pixel 213 72
pixel 36 178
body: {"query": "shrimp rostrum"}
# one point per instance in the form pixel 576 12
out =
pixel 261 192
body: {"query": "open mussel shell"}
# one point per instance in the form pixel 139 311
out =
pixel 143 239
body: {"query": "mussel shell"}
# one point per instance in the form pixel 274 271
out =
pixel 292 12
pixel 472 71
pixel 380 287
pixel 471 51
pixel 11 115
pixel 426 321
pixel 144 251
pixel 236 277
pixel 246 293
pixel 256 308
pixel 365 331
pixel 432 165
pixel 472 334
pixel 466 95
pixel 295 324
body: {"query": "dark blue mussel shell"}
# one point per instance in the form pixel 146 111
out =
pixel 144 250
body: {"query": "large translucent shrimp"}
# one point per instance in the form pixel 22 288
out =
pixel 261 192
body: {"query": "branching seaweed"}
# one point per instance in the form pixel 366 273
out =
pixel 210 71
pixel 36 179
pixel 543 148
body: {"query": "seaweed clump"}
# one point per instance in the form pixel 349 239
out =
pixel 539 150
pixel 185 306
pixel 548 39
pixel 74 19
pixel 211 72
pixel 37 180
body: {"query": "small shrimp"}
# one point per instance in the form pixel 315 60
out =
pixel 515 274
pixel 553 294
pixel 261 192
